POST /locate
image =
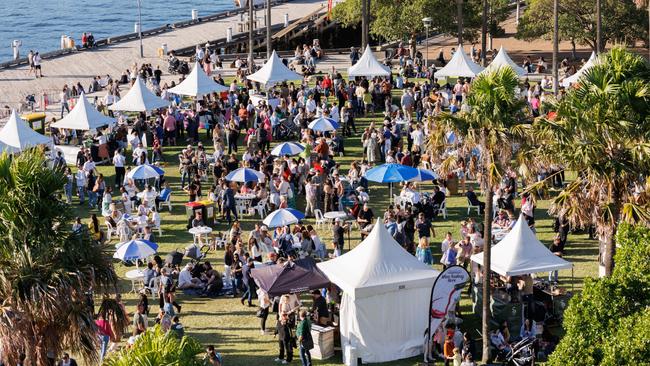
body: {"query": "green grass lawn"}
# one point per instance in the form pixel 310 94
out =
pixel 234 329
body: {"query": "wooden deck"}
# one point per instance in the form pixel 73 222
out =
pixel 114 59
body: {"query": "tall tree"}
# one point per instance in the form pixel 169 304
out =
pixel 492 126
pixel 601 130
pixel 624 21
pixel 45 268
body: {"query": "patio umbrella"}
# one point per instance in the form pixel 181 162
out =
pixel 145 171
pixel 391 173
pixel 244 175
pixel 135 249
pixel 282 217
pixel 287 148
pixel 424 175
pixel 323 124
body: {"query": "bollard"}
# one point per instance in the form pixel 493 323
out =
pixel 136 28
pixel 195 14
pixel 229 34
pixel 15 46
pixel 286 19
pixel 63 41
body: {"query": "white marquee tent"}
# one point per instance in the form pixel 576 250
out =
pixel 503 59
pixel 460 65
pixel 139 99
pixel 17 136
pixel 368 66
pixel 386 295
pixel 274 71
pixel 588 65
pixel 84 117
pixel 520 253
pixel 197 83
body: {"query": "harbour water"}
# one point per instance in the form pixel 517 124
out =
pixel 39 24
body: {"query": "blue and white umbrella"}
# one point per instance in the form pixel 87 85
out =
pixel 287 148
pixel 145 171
pixel 424 175
pixel 245 175
pixel 282 217
pixel 391 173
pixel 135 249
pixel 323 124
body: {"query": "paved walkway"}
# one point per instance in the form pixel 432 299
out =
pixel 15 84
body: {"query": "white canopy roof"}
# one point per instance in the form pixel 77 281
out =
pixel 83 117
pixel 368 66
pixel 274 71
pixel 139 99
pixel 520 253
pixel 460 65
pixel 197 83
pixel 588 65
pixel 378 265
pixel 503 59
pixel 18 136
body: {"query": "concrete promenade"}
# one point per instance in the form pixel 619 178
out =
pixel 114 59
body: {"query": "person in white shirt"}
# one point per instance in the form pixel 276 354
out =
pixel 363 196
pixel 185 279
pixel 89 166
pixel 137 152
pixel 310 106
pixel 418 137
pixel 334 113
pixel 80 179
pixel 118 162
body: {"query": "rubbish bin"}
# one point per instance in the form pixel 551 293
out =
pixel 36 121
pixel 452 184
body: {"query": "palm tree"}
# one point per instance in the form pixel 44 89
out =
pixel 492 126
pixel 46 269
pixel 156 347
pixel 601 130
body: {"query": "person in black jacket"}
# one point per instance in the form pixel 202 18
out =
pixel 283 331
pixel 67 361
pixel 473 199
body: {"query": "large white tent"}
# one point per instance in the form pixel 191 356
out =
pixel 588 65
pixel 386 295
pixel 139 99
pixel 368 66
pixel 520 253
pixel 460 65
pixel 17 136
pixel 84 117
pixel 197 83
pixel 502 59
pixel 274 71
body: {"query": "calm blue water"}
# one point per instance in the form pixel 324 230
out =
pixel 39 24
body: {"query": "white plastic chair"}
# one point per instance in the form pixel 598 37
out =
pixel 442 209
pixel 110 231
pixel 241 207
pixel 156 225
pixel 470 206
pixel 168 201
pixel 320 219
pixel 260 208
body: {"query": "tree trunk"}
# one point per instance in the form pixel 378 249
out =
pixel 573 49
pixel 484 33
pixel 607 240
pixel 250 35
pixel 599 36
pixel 459 10
pixel 517 13
pixel 269 49
pixel 365 9
pixel 487 249
pixel 555 46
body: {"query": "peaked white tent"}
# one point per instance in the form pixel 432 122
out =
pixel 368 66
pixel 502 59
pixel 197 83
pixel 386 295
pixel 460 65
pixel 18 136
pixel 588 65
pixel 274 71
pixel 139 99
pixel 84 117
pixel 520 253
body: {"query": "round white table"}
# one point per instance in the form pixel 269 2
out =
pixel 199 231
pixel 135 275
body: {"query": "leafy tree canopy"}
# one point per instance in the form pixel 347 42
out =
pixel 608 323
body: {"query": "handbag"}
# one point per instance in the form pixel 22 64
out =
pixel 261 312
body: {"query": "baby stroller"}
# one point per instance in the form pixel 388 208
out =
pixel 195 252
pixel 522 353
pixel 287 130
pixel 177 66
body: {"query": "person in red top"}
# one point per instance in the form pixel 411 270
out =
pixel 169 127
pixel 105 333
pixel 327 85
pixel 322 149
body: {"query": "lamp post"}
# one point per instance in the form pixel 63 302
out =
pixel 140 27
pixel 427 23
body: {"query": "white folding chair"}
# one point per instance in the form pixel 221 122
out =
pixel 168 201
pixel 443 209
pixel 110 231
pixel 470 206
pixel 320 219
pixel 156 226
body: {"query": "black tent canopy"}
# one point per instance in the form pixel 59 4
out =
pixel 290 277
